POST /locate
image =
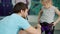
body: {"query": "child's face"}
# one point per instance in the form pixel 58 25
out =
pixel 43 3
pixel 46 4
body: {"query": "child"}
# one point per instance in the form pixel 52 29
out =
pixel 46 16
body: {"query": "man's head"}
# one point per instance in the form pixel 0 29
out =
pixel 21 9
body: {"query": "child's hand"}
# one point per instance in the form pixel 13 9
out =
pixel 54 23
pixel 38 26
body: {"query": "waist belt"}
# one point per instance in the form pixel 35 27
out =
pixel 46 24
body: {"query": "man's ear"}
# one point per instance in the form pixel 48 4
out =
pixel 22 11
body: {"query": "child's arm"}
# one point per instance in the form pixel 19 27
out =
pixel 39 15
pixel 57 21
pixel 58 13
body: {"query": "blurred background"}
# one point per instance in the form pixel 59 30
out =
pixel 6 7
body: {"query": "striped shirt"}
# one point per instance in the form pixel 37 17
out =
pixel 48 15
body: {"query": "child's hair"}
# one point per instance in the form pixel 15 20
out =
pixel 47 1
pixel 43 0
pixel 50 1
pixel 19 6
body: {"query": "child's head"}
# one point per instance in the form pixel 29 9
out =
pixel 21 9
pixel 46 3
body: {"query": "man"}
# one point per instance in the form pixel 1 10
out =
pixel 12 24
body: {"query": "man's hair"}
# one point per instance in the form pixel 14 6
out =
pixel 19 6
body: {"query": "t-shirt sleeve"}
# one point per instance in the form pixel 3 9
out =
pixel 24 24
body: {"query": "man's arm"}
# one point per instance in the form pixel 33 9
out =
pixel 27 27
pixel 33 30
pixel 39 15
pixel 58 19
pixel 28 30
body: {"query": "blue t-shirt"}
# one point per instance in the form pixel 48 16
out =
pixel 12 24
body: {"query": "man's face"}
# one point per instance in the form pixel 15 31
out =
pixel 25 13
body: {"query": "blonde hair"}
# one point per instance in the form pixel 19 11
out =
pixel 43 0
pixel 47 1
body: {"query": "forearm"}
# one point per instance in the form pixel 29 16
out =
pixel 38 27
pixel 39 18
pixel 39 15
pixel 58 19
pixel 39 30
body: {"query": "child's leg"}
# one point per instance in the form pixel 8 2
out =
pixel 48 30
pixel 42 28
